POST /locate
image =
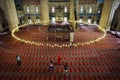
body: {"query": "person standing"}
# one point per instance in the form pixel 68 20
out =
pixel 59 59
pixel 71 38
pixel 51 66
pixel 18 60
pixel 65 69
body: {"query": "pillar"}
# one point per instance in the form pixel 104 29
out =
pixel 0 20
pixel 114 7
pixel 72 15
pixel 1 29
pixel 104 21
pixel 1 14
pixel 72 18
pixel 44 11
pixel 10 13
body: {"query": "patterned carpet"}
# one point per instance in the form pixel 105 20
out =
pixel 98 61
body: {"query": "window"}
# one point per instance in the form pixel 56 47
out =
pixel 36 9
pixel 81 9
pixel 65 18
pixel 89 20
pixel 53 19
pixel 80 20
pixel 65 9
pixel 29 21
pixel 37 19
pixel 98 11
pixel 28 9
pixel 53 9
pixel 90 10
pixel 95 21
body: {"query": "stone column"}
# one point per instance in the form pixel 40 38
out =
pixel 72 17
pixel 104 21
pixel 1 20
pixel 1 16
pixel 114 7
pixel 1 29
pixel 44 11
pixel 10 13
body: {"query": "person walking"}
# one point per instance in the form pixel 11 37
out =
pixel 18 60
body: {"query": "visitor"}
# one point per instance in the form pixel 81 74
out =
pixel 71 38
pixel 18 60
pixel 51 66
pixel 65 69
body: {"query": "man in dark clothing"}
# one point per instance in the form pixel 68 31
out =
pixel 18 60
pixel 66 68
pixel 51 66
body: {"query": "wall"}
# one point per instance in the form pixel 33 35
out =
pixel 32 13
pixel 59 15
pixel 85 15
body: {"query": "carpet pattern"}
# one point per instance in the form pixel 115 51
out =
pixel 98 61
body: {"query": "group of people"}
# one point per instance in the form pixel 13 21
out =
pixel 51 65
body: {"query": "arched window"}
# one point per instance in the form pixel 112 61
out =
pixel 65 9
pixel 98 11
pixel 95 21
pixel 36 9
pixel 65 18
pixel 90 9
pixel 89 19
pixel 53 9
pixel 80 20
pixel 37 19
pixel 28 9
pixel 81 9
pixel 53 19
pixel 29 20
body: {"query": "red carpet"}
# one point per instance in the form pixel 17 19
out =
pixel 98 61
